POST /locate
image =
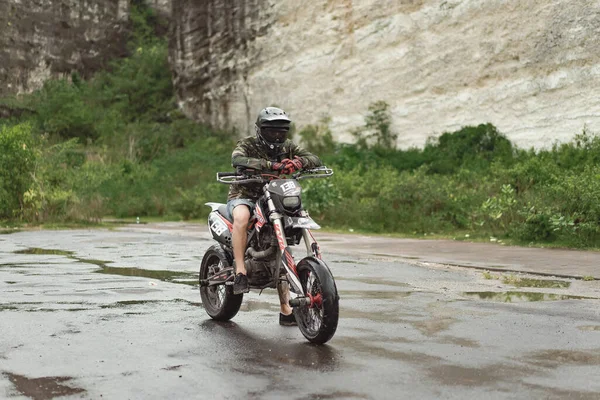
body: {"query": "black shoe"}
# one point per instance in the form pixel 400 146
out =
pixel 240 284
pixel 287 320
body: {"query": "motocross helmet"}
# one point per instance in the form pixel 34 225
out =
pixel 272 128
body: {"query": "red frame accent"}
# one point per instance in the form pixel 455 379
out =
pixel 290 261
pixel 279 236
pixel 260 218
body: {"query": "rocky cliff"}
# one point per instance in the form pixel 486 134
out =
pixel 44 38
pixel 530 67
pixel 40 39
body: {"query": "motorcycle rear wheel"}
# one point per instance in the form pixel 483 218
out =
pixel 219 301
pixel 318 322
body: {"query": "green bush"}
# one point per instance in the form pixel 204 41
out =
pixel 474 147
pixel 63 109
pixel 17 162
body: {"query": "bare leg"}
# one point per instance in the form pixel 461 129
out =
pixel 283 288
pixel 241 216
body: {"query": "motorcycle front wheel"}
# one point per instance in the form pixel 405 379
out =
pixel 219 301
pixel 318 321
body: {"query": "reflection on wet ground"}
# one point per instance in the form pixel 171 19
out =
pixel 390 317
pixel 373 281
pixel 185 278
pixel 554 358
pixel 37 306
pixel 36 250
pixel 514 297
pixel 45 388
pixel 127 303
pixel 373 294
pixel 539 283
pixel 396 256
pixel 589 328
pixel 347 262
pixel 261 354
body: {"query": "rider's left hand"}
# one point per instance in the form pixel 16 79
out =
pixel 297 161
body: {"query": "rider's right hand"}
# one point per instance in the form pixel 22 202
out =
pixel 278 166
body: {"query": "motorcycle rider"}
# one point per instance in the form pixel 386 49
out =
pixel 269 150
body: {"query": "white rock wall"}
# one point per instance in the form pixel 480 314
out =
pixel 530 67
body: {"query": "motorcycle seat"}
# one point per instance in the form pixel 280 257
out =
pixel 223 211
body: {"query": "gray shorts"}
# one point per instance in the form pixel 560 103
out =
pixel 231 204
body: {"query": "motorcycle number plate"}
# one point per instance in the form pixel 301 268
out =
pixel 218 227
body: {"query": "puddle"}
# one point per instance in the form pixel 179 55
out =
pixel 518 297
pixel 539 283
pixel 185 278
pixel 396 256
pixel 462 342
pixel 372 294
pixel 45 388
pixel 127 303
pixel 348 262
pixel 554 358
pixel 375 281
pixel 38 251
pixel 172 367
pixel 589 328
pixel 377 316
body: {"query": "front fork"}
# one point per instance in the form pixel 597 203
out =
pixel 286 255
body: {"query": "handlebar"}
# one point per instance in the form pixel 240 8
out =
pixel 262 177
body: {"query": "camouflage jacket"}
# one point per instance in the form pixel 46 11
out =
pixel 250 154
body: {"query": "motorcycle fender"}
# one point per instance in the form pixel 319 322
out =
pixel 301 222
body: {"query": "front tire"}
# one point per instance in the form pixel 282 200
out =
pixel 319 322
pixel 219 301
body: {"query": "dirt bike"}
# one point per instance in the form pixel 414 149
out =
pixel 278 222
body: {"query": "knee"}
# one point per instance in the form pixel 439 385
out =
pixel 241 216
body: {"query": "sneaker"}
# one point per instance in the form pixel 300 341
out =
pixel 240 284
pixel 287 320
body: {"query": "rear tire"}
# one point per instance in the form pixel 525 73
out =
pixel 218 301
pixel 319 323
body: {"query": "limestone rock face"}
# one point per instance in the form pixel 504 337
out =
pixel 530 67
pixel 40 39
pixel 161 6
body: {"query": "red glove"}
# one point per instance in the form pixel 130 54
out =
pixel 297 162
pixel 279 166
pixel 291 166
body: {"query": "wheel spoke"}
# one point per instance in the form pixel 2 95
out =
pixel 312 316
pixel 216 293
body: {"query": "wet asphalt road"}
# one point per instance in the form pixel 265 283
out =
pixel 115 314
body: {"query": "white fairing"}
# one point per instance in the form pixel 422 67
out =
pixel 214 206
